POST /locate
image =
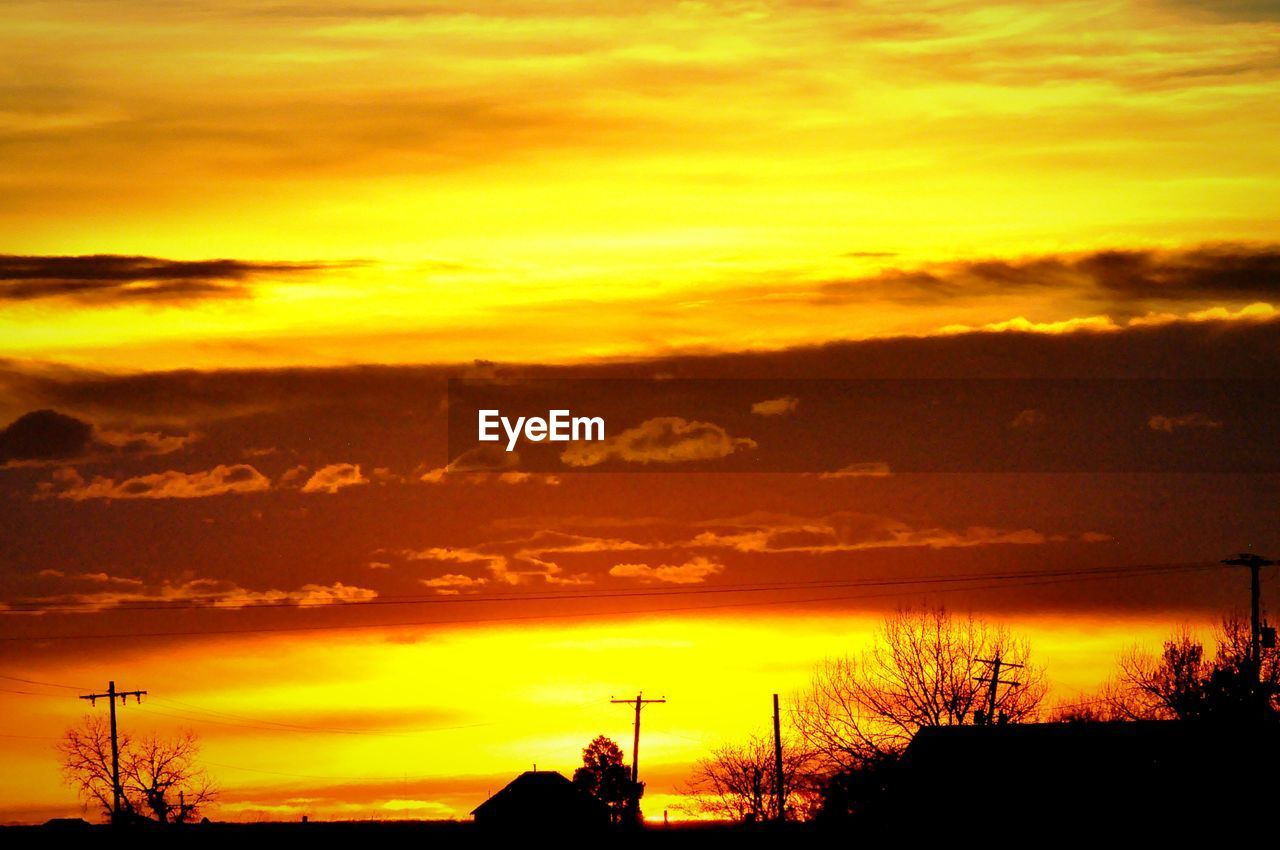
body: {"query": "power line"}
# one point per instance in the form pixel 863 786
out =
pixel 1022 580
pixel 250 603
pixel 29 693
pixel 1015 579
pixel 45 684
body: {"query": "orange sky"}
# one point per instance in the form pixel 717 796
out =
pixel 416 727
pixel 632 174
pixel 242 245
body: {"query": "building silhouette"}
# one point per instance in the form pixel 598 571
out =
pixel 542 799
pixel 1144 777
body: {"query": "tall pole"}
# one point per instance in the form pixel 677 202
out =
pixel 110 696
pixel 1255 617
pixel 639 702
pixel 991 690
pixel 997 664
pixel 778 788
pixel 635 746
pixel 1255 563
pixel 115 753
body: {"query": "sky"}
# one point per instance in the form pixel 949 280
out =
pixel 245 247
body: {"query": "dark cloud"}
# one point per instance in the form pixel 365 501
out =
pixel 117 279
pixel 1117 277
pixel 1219 271
pixel 44 435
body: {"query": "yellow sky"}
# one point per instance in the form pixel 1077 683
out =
pixel 564 180
pixel 421 724
pixel 620 170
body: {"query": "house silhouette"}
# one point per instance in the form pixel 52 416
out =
pixel 1143 777
pixel 542 799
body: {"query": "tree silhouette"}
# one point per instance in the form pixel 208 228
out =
pixel 1184 683
pixel 738 781
pixel 923 670
pixel 159 779
pixel 605 776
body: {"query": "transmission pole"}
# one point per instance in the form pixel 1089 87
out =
pixel 993 684
pixel 1255 563
pixel 111 696
pixel 639 702
pixel 778 788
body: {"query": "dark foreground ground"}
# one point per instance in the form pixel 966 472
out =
pixel 365 835
pixel 991 826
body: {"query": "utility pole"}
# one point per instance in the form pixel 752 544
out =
pixel 994 682
pixel 1255 563
pixel 778 788
pixel 639 702
pixel 111 696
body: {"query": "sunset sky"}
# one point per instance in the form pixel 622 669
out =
pixel 245 245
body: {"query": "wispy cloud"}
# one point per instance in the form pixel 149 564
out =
pixel 172 484
pixel 694 571
pixel 93 592
pixel 663 440
pixel 334 477
pixel 105 279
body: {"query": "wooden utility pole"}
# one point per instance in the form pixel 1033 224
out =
pixel 1255 563
pixel 994 682
pixel 111 696
pixel 779 788
pixel 639 702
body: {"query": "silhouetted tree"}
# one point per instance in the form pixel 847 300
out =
pixel 159 778
pixel 738 781
pixel 922 670
pixel 1184 683
pixel 605 776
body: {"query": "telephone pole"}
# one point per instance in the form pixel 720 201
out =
pixel 994 682
pixel 1255 563
pixel 639 702
pixel 111 696
pixel 778 788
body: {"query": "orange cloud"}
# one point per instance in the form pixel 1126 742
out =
pixel 204 592
pixel 666 439
pixel 335 476
pixel 1186 421
pixel 850 532
pixel 222 479
pixel 450 584
pixel 693 571
pixel 868 469
pixel 776 406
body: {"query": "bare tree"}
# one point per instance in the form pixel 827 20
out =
pixel 1184 682
pixel 738 782
pixel 159 778
pixel 923 670
pixel 1150 687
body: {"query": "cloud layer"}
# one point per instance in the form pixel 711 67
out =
pixel 105 279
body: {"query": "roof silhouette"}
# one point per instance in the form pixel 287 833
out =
pixel 542 798
pixel 1145 771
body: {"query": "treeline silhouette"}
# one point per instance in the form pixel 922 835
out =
pixel 942 718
